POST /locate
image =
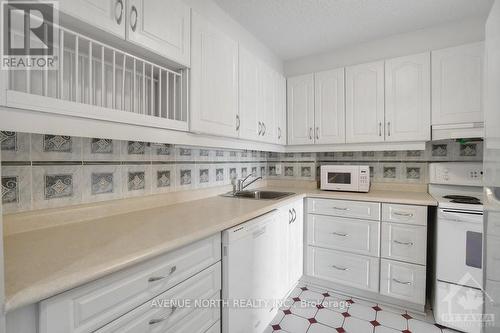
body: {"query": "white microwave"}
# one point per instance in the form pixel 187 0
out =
pixel 353 178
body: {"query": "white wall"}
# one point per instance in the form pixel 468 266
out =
pixel 451 34
pixel 212 12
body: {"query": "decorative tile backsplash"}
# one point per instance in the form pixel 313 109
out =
pixel 43 171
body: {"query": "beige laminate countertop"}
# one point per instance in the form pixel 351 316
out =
pixel 44 262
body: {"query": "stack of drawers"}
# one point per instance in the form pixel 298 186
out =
pixel 369 246
pixel 137 299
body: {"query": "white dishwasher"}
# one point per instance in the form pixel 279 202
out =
pixel 250 277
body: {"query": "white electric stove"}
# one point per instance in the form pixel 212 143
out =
pixel 458 294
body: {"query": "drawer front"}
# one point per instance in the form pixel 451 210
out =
pixel 402 281
pixel 95 304
pixel 404 242
pixel 344 268
pixel 493 258
pixel 346 234
pixel 170 310
pixel 344 208
pixel 404 214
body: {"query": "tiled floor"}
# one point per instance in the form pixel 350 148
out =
pixel 313 310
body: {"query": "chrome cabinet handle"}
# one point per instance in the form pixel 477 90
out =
pixel 237 122
pixel 158 278
pixel 339 234
pixel 279 133
pixel 403 214
pixel 133 22
pixel 388 128
pixel 159 320
pixel 341 208
pixel 119 14
pixel 265 128
pixel 403 243
pixel 401 282
pixel 260 128
pixel 294 214
pixel 290 216
pixel 317 133
pixel 340 268
pixel 310 133
pixel 380 129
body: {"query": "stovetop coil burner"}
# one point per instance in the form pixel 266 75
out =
pixel 463 199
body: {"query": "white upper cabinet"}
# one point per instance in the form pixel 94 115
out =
pixel 365 103
pixel 162 26
pixel 267 114
pixel 407 98
pixel 108 15
pixel 329 107
pixel 300 106
pixel 214 80
pixel 249 95
pixel 280 109
pixel 457 76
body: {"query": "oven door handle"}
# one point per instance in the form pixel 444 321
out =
pixel 461 217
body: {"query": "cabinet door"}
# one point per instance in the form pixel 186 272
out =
pixel 296 243
pixel 214 80
pixel 365 103
pixel 267 110
pixel 329 107
pixel 162 26
pixel 249 95
pixel 300 109
pixel 457 84
pixel 108 15
pixel 408 98
pixel 280 109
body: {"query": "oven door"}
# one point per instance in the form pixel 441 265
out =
pixel 460 247
pixel 339 178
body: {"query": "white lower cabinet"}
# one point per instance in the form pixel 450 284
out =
pixel 93 305
pixel 168 311
pixel 376 251
pixel 403 281
pixel 346 234
pixel 344 268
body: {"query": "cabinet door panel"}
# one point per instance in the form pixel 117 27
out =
pixel 108 15
pixel 457 84
pixel 296 243
pixel 162 26
pixel 214 80
pixel 300 109
pixel 407 98
pixel 267 113
pixel 365 103
pixel 280 109
pixel 329 107
pixel 249 95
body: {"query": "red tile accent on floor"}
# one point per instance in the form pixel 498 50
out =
pixel 312 320
pixel 340 330
pixel 287 312
pixel 319 306
pixel 303 288
pixel 407 316
pixel 406 331
pixel 326 294
pixel 276 327
pixel 345 314
pixel 296 299
pixel 441 327
pixel 350 301
pixel 375 323
pixel 376 308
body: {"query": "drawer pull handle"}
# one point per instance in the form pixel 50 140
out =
pixel 339 234
pixel 402 282
pixel 403 214
pixel 403 243
pixel 340 268
pixel 159 320
pixel 158 278
pixel 341 208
